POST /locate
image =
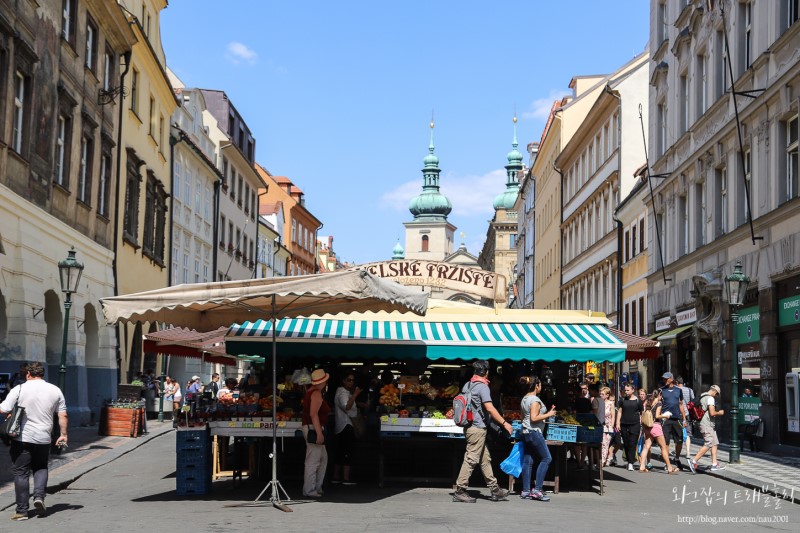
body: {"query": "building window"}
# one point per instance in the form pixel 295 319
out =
pixel 641 316
pixel 662 128
pixel 134 90
pixel 155 219
pixel 684 103
pixel 239 189
pixel 108 69
pixel 61 149
pixel 103 187
pixel 791 184
pixel 233 183
pixel 294 230
pixel 722 64
pixel 702 85
pixel 742 212
pixel 68 21
pixel 230 237
pixel 160 139
pixel 19 112
pixel 700 201
pixel 662 21
pixel 747 37
pixel 222 230
pixel 424 243
pixel 683 226
pixel 90 53
pixel 627 245
pixel 85 170
pixel 793 12
pixel 224 173
pixel 247 199
pixel 634 242
pixel 512 240
pixel 133 182
pixel 721 178
pixel 152 118
pixel 642 246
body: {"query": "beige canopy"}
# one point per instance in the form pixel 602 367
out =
pixel 207 306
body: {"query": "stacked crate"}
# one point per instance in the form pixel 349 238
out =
pixel 192 462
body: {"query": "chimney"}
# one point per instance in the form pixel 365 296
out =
pixel 533 151
pixel 330 242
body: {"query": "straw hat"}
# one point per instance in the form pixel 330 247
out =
pixel 319 377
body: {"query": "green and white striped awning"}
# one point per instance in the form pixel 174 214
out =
pixel 431 340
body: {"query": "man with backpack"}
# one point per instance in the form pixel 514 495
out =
pixel 673 425
pixel 479 406
pixel 708 401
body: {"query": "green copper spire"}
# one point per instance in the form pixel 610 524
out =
pixel 507 199
pixel 430 204
pixel 398 252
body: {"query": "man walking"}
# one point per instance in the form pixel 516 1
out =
pixel 672 403
pixel 688 396
pixel 31 450
pixel 477 453
pixel 213 386
pixel 710 440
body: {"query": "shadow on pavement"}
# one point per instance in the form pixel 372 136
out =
pixel 58 508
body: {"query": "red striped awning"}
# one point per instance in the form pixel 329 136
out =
pixel 182 342
pixel 637 347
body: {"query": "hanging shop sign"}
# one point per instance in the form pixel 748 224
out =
pixel 789 311
pixel 441 275
pixel 662 323
pixel 748 325
pixel 748 355
pixel 748 409
pixel 687 316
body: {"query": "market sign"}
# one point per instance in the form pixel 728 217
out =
pixel 687 316
pixel 662 323
pixel 451 276
pixel 747 326
pixel 789 311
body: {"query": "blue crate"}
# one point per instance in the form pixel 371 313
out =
pixel 192 458
pixel 590 433
pixel 191 438
pixel 192 487
pixel 192 471
pixel 561 432
pixel 587 419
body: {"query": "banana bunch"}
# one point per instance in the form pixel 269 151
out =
pixel 450 391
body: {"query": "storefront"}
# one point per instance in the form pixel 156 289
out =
pixel 678 347
pixel 748 352
pixel 789 361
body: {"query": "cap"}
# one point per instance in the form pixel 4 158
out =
pixel 715 388
pixel 667 375
pixel 195 378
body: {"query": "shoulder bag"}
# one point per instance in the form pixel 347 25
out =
pixel 11 427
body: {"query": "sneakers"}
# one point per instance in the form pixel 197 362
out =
pixel 630 467
pixel 539 496
pixel 693 466
pixel 461 495
pixel 525 495
pixel 716 467
pixel 315 495
pixel 38 504
pixel 498 495
pixel 19 516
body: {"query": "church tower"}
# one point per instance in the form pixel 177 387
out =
pixel 429 235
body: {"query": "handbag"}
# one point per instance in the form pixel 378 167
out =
pixel 11 427
pixel 647 419
pixel 512 465
pixel 359 426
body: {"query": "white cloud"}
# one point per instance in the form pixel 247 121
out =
pixel 540 108
pixel 469 195
pixel 238 53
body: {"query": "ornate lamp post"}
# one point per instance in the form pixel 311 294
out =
pixel 736 284
pixel 70 270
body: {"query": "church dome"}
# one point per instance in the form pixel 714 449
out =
pixel 398 252
pixel 430 204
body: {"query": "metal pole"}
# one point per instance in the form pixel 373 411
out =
pixel 734 452
pixel 276 497
pixel 62 371
pixel 162 379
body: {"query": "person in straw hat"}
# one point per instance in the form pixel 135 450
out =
pixel 315 419
pixel 710 441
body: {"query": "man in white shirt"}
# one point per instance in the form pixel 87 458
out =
pixel 710 440
pixel 31 450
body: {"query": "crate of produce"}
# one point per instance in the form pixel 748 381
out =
pixel 590 433
pixel 562 432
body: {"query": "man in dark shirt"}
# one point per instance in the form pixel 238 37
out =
pixel 672 402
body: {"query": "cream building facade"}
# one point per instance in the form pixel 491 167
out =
pixel 597 165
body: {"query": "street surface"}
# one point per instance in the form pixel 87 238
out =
pixel 136 491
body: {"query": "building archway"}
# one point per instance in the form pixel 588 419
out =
pixel 91 331
pixel 54 318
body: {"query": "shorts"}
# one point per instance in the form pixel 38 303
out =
pixel 654 432
pixel 709 436
pixel 672 427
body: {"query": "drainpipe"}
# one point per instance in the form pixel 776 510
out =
pixel 114 262
pixel 561 244
pixel 215 252
pixel 258 225
pixel 172 142
pixel 616 95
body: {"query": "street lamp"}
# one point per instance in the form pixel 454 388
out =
pixel 736 284
pixel 70 270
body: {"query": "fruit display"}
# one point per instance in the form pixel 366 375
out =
pixel 512 415
pixel 390 396
pixel 567 417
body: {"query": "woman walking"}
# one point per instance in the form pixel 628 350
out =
pixel 534 413
pixel 604 411
pixel 629 410
pixel 315 418
pixel 655 434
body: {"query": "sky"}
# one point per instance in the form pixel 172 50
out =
pixel 339 95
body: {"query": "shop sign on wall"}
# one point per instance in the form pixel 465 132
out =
pixel 662 323
pixel 441 275
pixel 747 327
pixel 687 316
pixel 748 409
pixel 789 311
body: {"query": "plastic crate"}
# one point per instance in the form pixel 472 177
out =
pixel 590 433
pixel 191 438
pixel 192 457
pixel 561 432
pixel 185 487
pixel 586 419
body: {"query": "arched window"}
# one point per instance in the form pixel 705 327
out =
pixel 424 243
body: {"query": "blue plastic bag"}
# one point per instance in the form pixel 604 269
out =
pixel 640 444
pixel 685 436
pixel 512 465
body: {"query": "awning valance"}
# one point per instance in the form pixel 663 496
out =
pixel 183 342
pixel 431 340
pixel 638 347
pixel 671 334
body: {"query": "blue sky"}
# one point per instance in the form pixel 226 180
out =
pixel 339 94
